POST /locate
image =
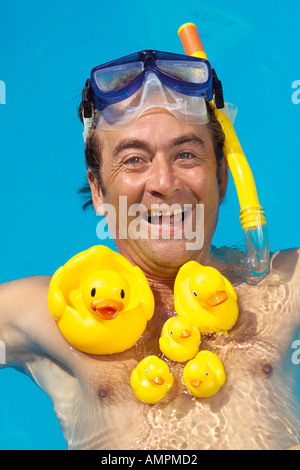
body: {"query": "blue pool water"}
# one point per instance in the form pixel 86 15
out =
pixel 47 51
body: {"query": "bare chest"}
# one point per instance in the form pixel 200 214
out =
pixel 243 414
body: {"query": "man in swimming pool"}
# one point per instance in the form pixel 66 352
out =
pixel 157 159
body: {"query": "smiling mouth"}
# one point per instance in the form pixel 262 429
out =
pixel 166 218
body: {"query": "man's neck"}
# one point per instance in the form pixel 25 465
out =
pixel 157 273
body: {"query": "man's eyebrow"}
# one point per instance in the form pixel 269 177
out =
pixel 125 144
pixel 193 138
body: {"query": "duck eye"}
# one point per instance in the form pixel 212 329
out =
pixel 122 293
pixel 93 292
pixel 171 333
pixel 206 374
pixel 195 293
pixel 146 371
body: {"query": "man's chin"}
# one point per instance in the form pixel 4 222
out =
pixel 168 253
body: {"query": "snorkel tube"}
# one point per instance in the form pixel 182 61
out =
pixel 252 215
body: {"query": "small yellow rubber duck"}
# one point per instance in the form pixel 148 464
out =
pixel 101 301
pixel 204 375
pixel 179 339
pixel 206 297
pixel 151 380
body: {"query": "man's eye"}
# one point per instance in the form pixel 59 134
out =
pixel 185 155
pixel 133 160
pixel 135 163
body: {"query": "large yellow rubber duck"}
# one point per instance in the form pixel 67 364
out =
pixel 101 301
pixel 206 297
pixel 204 375
pixel 151 380
pixel 179 340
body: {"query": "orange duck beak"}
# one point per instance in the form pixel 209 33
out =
pixel 185 334
pixel 158 380
pixel 196 383
pixel 107 309
pixel 217 298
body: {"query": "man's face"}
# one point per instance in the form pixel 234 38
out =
pixel 161 161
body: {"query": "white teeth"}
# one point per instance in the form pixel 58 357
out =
pixel 165 213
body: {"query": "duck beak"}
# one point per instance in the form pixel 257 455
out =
pixel 107 309
pixel 217 298
pixel 158 380
pixel 195 382
pixel 185 334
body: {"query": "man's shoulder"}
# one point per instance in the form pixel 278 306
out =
pixel 286 264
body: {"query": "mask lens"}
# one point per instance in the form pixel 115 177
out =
pixel 193 72
pixel 153 94
pixel 117 76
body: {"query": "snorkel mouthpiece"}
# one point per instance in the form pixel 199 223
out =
pixel 252 215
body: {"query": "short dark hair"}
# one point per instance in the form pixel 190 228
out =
pixel 93 157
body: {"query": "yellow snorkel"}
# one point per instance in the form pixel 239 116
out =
pixel 252 215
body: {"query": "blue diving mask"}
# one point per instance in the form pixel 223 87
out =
pixel 120 91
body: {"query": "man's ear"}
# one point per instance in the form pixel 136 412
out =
pixel 97 195
pixel 222 178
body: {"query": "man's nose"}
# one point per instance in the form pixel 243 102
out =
pixel 163 179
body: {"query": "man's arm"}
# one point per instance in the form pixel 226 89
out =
pixel 28 332
pixel 23 317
